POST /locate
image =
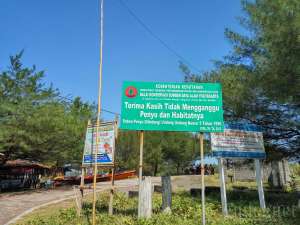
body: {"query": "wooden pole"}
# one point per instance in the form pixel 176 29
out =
pixel 140 171
pixel 112 190
pixel 81 187
pixel 82 178
pixel 83 168
pixel 258 171
pixel 98 114
pixel 202 178
pixel 83 172
pixel 141 155
pixel 223 187
pixel 111 196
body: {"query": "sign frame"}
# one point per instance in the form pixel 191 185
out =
pixel 111 164
pixel 252 146
pixel 171 106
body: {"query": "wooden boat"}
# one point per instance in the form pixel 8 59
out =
pixel 89 178
pixel 107 177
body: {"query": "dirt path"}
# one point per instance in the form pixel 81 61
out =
pixel 15 205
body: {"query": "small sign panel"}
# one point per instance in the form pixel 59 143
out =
pixel 106 145
pixel 172 106
pixel 238 141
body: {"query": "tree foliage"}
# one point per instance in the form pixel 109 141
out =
pixel 38 124
pixel 261 76
pixel 35 122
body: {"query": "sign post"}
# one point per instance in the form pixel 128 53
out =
pixel 192 107
pixel 239 141
pixel 202 178
pixel 141 172
pixel 141 155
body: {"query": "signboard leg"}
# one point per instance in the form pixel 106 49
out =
pixel 83 172
pixel 81 187
pixel 140 170
pixel 94 191
pixel 141 155
pixel 82 177
pixel 223 187
pixel 259 182
pixel 112 190
pixel 202 178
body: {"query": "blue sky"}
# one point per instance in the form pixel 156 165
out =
pixel 62 38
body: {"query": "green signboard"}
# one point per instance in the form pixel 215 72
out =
pixel 172 106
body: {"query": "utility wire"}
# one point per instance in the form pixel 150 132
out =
pixel 155 36
pixel 108 111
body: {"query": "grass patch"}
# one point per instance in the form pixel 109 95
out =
pixel 186 210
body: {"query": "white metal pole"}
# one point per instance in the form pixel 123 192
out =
pixel 223 187
pixel 259 182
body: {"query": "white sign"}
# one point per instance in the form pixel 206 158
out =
pixel 238 140
pixel 105 145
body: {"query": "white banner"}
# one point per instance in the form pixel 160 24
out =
pixel 105 145
pixel 238 141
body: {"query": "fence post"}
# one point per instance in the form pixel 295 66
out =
pixel 145 198
pixel 166 193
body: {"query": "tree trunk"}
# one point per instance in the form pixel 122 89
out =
pixel 155 168
pixel 177 168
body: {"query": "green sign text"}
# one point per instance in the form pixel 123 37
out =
pixel 172 106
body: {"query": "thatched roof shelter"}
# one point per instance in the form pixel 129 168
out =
pixel 24 163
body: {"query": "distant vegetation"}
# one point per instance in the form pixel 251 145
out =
pixel 164 152
pixel 261 75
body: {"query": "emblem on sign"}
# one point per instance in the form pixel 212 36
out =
pixel 131 92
